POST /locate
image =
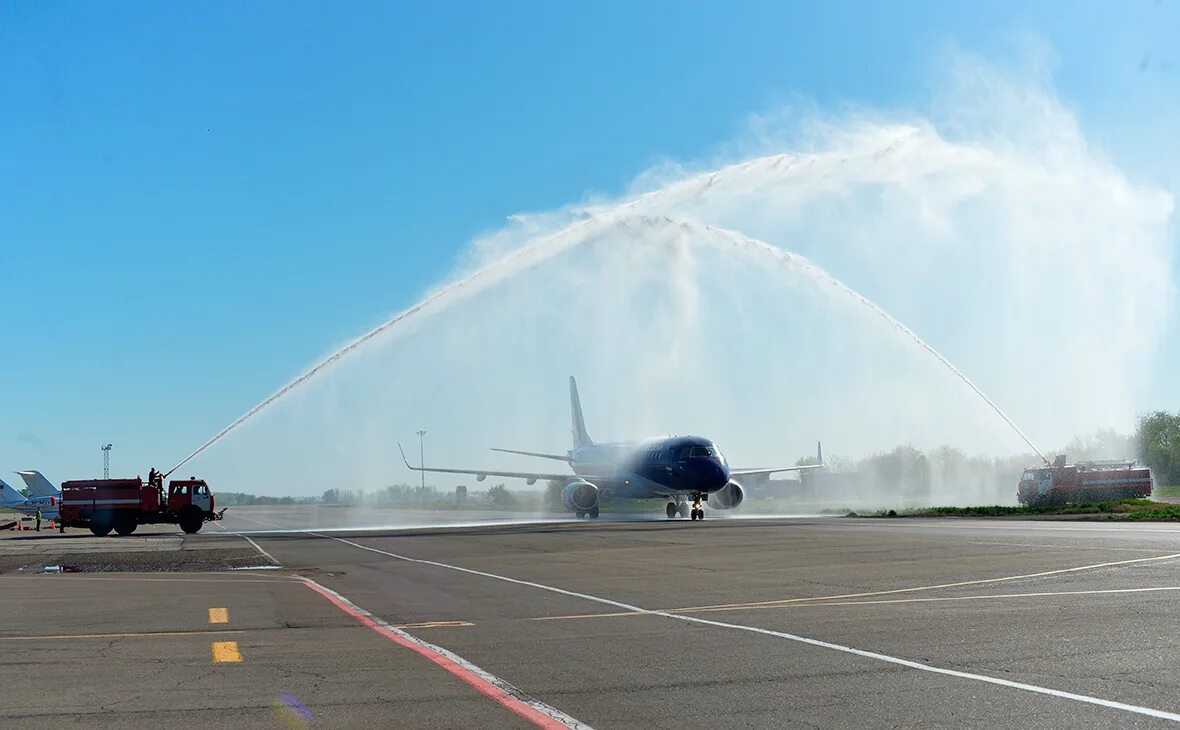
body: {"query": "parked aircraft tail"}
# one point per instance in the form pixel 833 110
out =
pixel 8 495
pixel 581 438
pixel 38 485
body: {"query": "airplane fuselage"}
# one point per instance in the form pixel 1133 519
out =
pixel 660 467
pixel 30 506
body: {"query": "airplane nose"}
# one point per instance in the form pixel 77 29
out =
pixel 715 474
pixel 724 472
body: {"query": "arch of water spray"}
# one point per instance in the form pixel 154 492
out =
pixel 581 233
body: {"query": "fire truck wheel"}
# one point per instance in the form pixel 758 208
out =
pixel 191 519
pixel 125 525
pixel 101 524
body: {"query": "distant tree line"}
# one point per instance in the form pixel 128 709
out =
pixel 394 495
pixel 429 497
pixel 230 499
pixel 1158 440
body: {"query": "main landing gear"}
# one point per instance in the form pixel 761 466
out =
pixel 592 514
pixel 681 509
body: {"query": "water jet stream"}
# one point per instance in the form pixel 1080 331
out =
pixel 520 259
pixel 804 265
pixel 581 233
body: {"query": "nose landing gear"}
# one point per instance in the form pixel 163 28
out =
pixel 698 512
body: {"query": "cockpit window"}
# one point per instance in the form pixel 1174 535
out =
pixel 695 452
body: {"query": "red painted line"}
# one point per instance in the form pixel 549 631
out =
pixel 465 673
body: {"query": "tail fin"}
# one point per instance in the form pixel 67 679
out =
pixel 8 495
pixel 38 485
pixel 819 453
pixel 581 438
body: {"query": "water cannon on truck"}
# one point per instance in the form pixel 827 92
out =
pixel 1084 481
pixel 122 505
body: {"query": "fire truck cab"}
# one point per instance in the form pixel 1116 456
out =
pixel 191 502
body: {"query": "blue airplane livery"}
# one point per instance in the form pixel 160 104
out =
pixel 677 468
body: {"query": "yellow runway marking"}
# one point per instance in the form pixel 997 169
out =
pixel 867 594
pixel 137 635
pixel 219 615
pixel 226 651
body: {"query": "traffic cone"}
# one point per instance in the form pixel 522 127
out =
pixel 20 524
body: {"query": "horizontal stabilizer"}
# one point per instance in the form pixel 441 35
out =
pixel 819 457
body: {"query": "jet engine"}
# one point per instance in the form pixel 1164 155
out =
pixel 729 496
pixel 579 496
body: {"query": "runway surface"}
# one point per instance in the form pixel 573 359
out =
pixel 726 623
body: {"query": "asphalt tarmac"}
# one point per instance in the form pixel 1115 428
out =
pixel 829 622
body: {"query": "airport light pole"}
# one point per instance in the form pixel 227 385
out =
pixel 106 461
pixel 421 457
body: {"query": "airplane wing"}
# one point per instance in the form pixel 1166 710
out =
pixel 556 457
pixel 819 457
pixel 531 476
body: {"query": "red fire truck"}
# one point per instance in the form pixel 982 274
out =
pixel 1085 481
pixel 123 504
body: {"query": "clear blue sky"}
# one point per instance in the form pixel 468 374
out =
pixel 197 200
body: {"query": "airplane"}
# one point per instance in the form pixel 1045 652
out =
pixel 38 485
pixel 11 499
pixel 677 468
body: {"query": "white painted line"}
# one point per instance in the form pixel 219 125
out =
pixel 257 547
pixel 789 602
pixel 1012 525
pixel 286 529
pixel 1087 699
pixel 1063 546
pixel 937 586
pixel 937 599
